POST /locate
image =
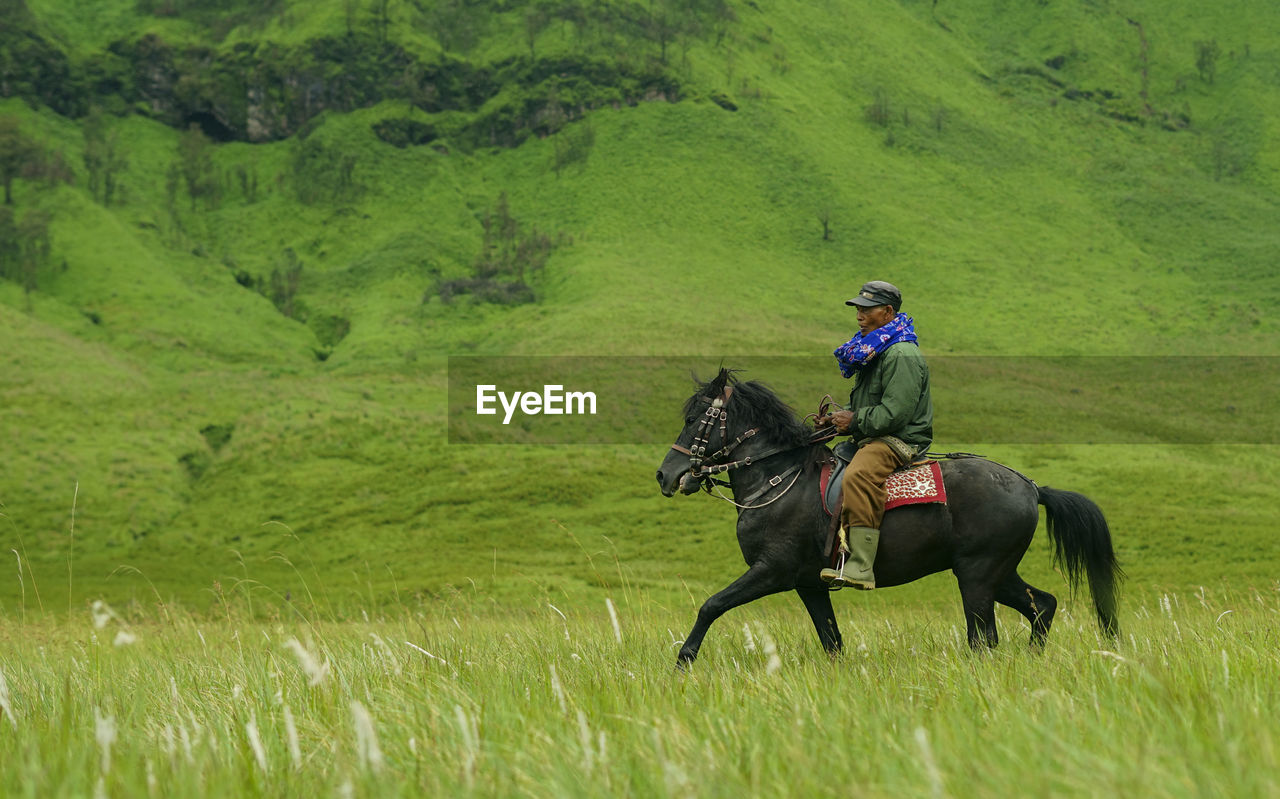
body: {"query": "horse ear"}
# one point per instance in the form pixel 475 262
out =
pixel 716 386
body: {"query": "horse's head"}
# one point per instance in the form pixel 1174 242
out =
pixel 705 432
pixel 724 421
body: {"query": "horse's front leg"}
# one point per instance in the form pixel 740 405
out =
pixel 760 580
pixel 818 602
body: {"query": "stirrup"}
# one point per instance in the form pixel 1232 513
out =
pixel 834 578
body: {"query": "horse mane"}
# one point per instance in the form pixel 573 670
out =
pixel 756 405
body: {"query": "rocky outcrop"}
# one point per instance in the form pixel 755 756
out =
pixel 261 92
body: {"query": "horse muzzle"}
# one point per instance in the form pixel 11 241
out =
pixel 673 473
pixel 686 483
pixel 689 484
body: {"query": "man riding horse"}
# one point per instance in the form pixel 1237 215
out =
pixel 890 419
pixel 775 468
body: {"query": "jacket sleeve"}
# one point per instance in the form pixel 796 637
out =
pixel 903 380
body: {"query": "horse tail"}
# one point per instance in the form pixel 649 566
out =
pixel 1082 545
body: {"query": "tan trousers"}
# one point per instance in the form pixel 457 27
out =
pixel 863 484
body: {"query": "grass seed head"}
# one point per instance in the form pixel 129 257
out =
pixel 102 614
pixel 613 617
pixel 366 737
pixel 772 663
pixel 5 704
pixel 291 732
pixel 470 743
pixel 315 670
pixel 558 690
pixel 255 743
pixel 105 733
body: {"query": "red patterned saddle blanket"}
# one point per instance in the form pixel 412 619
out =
pixel 914 486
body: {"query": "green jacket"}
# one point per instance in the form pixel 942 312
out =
pixel 890 397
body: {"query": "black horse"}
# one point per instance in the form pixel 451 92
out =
pixel 981 533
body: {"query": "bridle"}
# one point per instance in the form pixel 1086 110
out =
pixel 703 467
pixel 697 450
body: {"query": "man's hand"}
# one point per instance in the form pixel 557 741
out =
pixel 840 420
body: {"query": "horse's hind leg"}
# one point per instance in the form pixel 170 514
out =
pixel 818 602
pixel 1038 606
pixel 979 612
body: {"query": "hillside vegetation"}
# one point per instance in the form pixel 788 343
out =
pixel 244 238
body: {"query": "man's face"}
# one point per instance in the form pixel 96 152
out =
pixel 874 318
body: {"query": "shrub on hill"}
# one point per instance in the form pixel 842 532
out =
pixel 25 245
pixel 17 151
pixel 508 260
pixel 104 158
pixel 323 173
pixel 404 132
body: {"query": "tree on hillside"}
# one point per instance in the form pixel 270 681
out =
pixel 102 157
pixel 499 231
pixel 879 113
pixel 195 163
pixel 172 180
pixel 16 152
pixel 824 217
pixel 381 17
pixel 506 251
pixel 323 173
pixel 573 13
pixel 50 167
pixel 1207 59
pixel 351 7
pixel 8 243
pixel 939 115
pixel 536 20
pixel 662 25
pixel 248 176
pixel 456 24
pixel 285 280
pixel 572 145
pixel 25 246
pixel 34 246
pixel 419 91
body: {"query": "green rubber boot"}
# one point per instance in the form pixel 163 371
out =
pixel 861 543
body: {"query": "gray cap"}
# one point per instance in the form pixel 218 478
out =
pixel 877 292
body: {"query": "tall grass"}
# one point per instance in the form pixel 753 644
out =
pixel 481 699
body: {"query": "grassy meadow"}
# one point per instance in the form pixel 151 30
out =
pixel 465 697
pixel 248 558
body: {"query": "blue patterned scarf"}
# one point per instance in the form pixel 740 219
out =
pixel 858 351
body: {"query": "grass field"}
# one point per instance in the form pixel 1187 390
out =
pixel 471 695
pixel 313 590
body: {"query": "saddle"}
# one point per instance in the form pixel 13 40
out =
pixel 914 483
pixel 918 482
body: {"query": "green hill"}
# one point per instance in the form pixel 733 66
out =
pixel 233 368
